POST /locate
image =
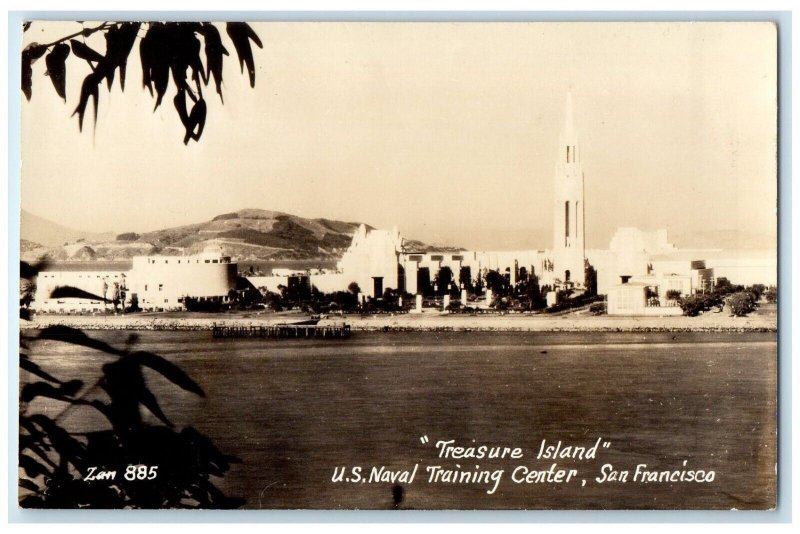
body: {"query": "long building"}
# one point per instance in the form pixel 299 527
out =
pixel 153 282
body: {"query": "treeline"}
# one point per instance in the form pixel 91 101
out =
pixel 739 299
pixel 524 295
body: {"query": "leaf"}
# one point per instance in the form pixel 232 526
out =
pixel 83 51
pixel 32 444
pixel 119 43
pixel 68 292
pixel 28 485
pixel 69 448
pixel 146 59
pixel 149 401
pixel 71 387
pixel 241 33
pixel 26 364
pixel 197 119
pixel 155 64
pixel 40 389
pixel 168 370
pixel 76 337
pixel 180 106
pixel 29 56
pixel 88 89
pixel 56 68
pixel 29 271
pixel 214 52
pixel 32 468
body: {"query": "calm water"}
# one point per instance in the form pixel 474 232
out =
pixel 293 410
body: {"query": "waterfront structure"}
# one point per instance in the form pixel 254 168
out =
pixel 162 282
pixel 86 293
pixel 154 282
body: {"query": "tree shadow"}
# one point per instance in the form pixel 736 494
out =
pixel 154 465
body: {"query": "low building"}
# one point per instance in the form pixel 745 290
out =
pixel 153 282
pixel 162 282
pixel 631 297
pixel 76 291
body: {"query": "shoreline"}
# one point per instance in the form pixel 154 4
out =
pixel 426 322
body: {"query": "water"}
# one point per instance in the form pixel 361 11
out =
pixel 293 410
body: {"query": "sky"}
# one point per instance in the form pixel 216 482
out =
pixel 447 130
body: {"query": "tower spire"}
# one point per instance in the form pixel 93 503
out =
pixel 568 224
pixel 569 124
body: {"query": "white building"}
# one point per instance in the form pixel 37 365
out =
pixel 156 282
pixel 162 282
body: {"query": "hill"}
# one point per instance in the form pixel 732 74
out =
pixel 249 234
pixel 47 233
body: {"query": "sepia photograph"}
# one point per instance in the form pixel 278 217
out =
pixel 353 265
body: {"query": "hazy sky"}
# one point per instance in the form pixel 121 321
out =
pixel 448 131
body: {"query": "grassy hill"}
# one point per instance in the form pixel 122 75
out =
pixel 249 234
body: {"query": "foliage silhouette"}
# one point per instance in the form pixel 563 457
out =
pixel 165 48
pixel 54 461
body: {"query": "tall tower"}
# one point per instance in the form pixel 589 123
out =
pixel 568 222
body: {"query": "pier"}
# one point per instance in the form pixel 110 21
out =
pixel 280 331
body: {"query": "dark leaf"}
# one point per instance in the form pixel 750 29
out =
pixel 31 444
pixel 26 25
pixel 83 51
pixel 168 370
pixel 68 292
pixel 29 485
pixel 214 52
pixel 119 43
pixel 146 57
pixel 154 55
pixel 149 401
pixel 71 387
pixel 180 106
pixel 27 77
pixel 241 33
pixel 32 501
pixel 76 337
pixel 88 89
pixel 35 51
pixel 26 364
pixel 56 68
pixel 32 468
pixel 71 450
pixel 197 121
pixel 31 53
pixel 40 389
pixel 108 74
pixel 29 271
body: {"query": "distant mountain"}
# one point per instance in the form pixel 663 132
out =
pixel 249 234
pixel 50 234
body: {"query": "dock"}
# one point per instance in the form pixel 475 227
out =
pixel 281 331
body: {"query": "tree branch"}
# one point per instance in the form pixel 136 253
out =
pixel 86 32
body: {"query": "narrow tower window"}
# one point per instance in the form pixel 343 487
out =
pixel 568 154
pixel 566 223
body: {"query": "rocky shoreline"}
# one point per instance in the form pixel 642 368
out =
pixel 427 323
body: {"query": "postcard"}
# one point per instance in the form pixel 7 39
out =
pixel 398 265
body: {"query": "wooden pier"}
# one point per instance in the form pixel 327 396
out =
pixel 280 331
